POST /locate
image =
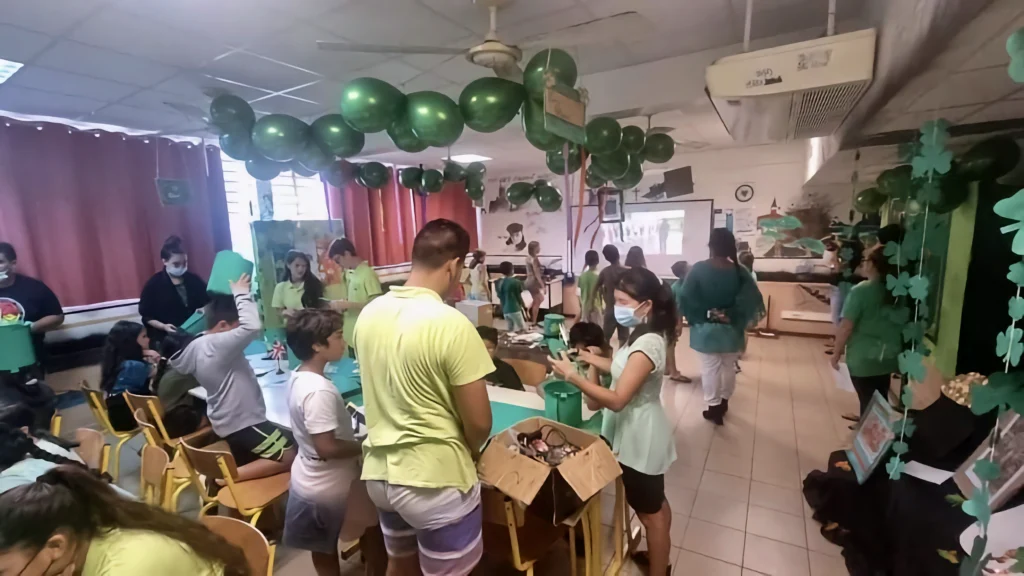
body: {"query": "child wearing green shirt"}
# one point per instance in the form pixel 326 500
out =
pixel 680 270
pixel 590 299
pixel 510 292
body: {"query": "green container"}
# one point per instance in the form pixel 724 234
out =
pixel 563 403
pixel 228 266
pixel 195 324
pixel 551 325
pixel 16 344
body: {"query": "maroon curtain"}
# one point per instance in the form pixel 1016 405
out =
pixel 83 212
pixel 453 203
pixel 379 222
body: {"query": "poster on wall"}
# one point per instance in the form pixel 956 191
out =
pixel 507 230
pixel 798 231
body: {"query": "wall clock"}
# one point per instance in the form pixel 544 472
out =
pixel 744 193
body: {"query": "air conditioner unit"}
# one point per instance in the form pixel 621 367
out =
pixel 792 92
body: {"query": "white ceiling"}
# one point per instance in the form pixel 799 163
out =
pixel 121 61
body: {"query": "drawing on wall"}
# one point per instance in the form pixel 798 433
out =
pixel 796 233
pixel 516 240
pixel 507 230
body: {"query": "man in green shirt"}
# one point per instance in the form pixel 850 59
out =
pixel 361 282
pixel 590 298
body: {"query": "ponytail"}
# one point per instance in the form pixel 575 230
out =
pixel 642 285
pixel 16 446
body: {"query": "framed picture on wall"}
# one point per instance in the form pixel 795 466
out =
pixel 874 436
pixel 612 207
pixel 1009 455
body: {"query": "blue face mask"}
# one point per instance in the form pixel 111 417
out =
pixel 626 316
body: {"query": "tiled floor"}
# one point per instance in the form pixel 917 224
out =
pixel 735 490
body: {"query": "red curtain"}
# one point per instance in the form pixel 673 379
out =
pixel 83 212
pixel 453 203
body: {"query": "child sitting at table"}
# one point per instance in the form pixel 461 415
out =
pixel 589 336
pixel 328 459
pixel 183 412
pixel 234 401
pixel 510 292
pixel 504 374
pixel 127 366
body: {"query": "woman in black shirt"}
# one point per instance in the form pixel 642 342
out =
pixel 172 295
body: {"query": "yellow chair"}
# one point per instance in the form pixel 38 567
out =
pixel 259 553
pixel 93 449
pixel 179 473
pixel 250 498
pixel 98 406
pixel 515 535
pixel 155 466
pixel 154 411
pixel 55 423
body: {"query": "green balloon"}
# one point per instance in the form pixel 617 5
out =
pixel 476 170
pixel 593 179
pixel 373 174
pixel 611 166
pixel 548 198
pixel 454 172
pixel 554 61
pixel 434 118
pixel 519 193
pixel 896 182
pixel 990 159
pixel 301 170
pixel 410 177
pixel 868 201
pixel 401 135
pixel 262 168
pixel 488 103
pixel 474 188
pixel 333 135
pixel 237 145
pixel 604 135
pixel 633 139
pixel 633 174
pixel 314 158
pixel 954 188
pixel 280 137
pixel 556 160
pixel 659 148
pixel 533 126
pixel 370 105
pixel 432 181
pixel 231 114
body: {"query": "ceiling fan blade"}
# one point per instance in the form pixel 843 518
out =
pixel 385 49
pixel 628 26
pixel 660 130
pixel 509 71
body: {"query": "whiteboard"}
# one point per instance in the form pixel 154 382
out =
pixel 667 231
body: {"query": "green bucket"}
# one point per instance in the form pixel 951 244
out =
pixel 563 403
pixel 195 324
pixel 16 343
pixel 551 325
pixel 228 266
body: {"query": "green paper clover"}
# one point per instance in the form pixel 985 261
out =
pixel 910 364
pixel 907 426
pixel 935 132
pixel 933 158
pixel 1016 274
pixel 907 397
pixel 930 192
pixel 895 254
pixel 913 332
pixel 922 312
pixel 898 315
pixel 1016 308
pixel 1008 345
pixel 906 151
pixel 986 470
pixel 900 447
pixel 977 505
pixel 1012 208
pixel 974 563
pixel 897 285
pixel 1004 389
pixel 895 468
pixel 918 287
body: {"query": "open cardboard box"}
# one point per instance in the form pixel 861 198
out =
pixel 555 493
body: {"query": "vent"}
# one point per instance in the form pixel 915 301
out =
pixel 820 112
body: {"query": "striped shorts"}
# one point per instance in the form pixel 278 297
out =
pixel 443 525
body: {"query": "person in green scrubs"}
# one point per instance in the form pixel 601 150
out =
pixel 590 297
pixel 361 282
pixel 299 289
pixel 871 338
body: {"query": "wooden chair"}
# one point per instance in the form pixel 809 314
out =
pixel 259 553
pixel 155 467
pixel 249 498
pixel 512 533
pixel 531 373
pixel 55 423
pixel 97 404
pixel 93 449
pixel 154 411
pixel 178 475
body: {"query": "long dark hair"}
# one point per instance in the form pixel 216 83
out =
pixel 172 343
pixel 723 245
pixel 313 289
pixel 635 258
pixel 122 344
pixel 880 262
pixel 70 499
pixel 173 245
pixel 16 446
pixel 642 285
pixel 478 256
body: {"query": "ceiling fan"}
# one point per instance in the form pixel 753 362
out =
pixel 504 58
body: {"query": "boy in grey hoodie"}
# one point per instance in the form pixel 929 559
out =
pixel 234 399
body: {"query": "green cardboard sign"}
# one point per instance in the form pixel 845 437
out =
pixel 564 113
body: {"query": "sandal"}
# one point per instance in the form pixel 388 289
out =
pixel 680 378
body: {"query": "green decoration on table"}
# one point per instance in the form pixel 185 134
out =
pixel 896 182
pixel 488 104
pixel 519 193
pixel 410 177
pixel 611 166
pixel 477 170
pixel 314 158
pixel 604 135
pixel 237 145
pixel 533 126
pixel 403 138
pixel 868 201
pixel 297 167
pixel 555 160
pixel 475 187
pixel 548 198
pixel 336 137
pixel 434 118
pixel 230 113
pixel 557 64
pixel 594 180
pixel 1012 208
pixel 432 181
pixel 659 148
pixel 262 168
pixel 370 105
pixel 990 158
pixel 633 139
pixel 634 174
pixel 280 137
pixel 373 175
pixel 454 172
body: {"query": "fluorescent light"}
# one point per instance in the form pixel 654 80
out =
pixel 8 68
pixel 469 158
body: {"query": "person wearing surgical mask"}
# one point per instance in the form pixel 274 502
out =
pixel 173 294
pixel 41 306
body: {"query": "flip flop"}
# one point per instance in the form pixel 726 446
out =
pixel 850 416
pixel 680 378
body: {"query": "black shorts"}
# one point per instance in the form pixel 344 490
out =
pixel 264 440
pixel 644 493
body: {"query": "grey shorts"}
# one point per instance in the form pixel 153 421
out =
pixel 312 526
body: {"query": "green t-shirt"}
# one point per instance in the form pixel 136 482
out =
pixel 876 340
pixel 509 292
pixel 589 298
pixel 677 295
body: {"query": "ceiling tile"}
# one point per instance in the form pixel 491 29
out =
pixel 103 63
pixel 189 87
pixel 972 87
pixel 298 48
pixel 714 32
pixel 913 120
pixel 394 72
pixel 29 101
pixel 148 38
pixel 20 45
pixel 236 22
pixel 72 84
pixel 297 108
pixel 49 16
pixel 431 61
pixel 546 24
pixel 158 100
pixel 138 118
pixel 470 15
pixel 461 71
pixel 400 22
pixel 258 72
pixel 429 81
pixel 517 12
pixel 1007 110
pixel 603 57
pixel 326 92
pixel 992 53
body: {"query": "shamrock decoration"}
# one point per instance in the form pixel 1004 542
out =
pixel 896 256
pixel 1008 345
pixel 907 397
pixel 933 158
pixel 914 331
pixel 908 426
pixel 918 287
pixel 900 447
pixel 930 192
pixel 975 562
pixel 895 468
pixel 986 470
pixel 977 505
pixel 1016 308
pixel 1012 208
pixel 910 364
pixel 1004 389
pixel 1015 48
pixel 897 285
pixel 898 315
pixel 1016 274
pixel 935 132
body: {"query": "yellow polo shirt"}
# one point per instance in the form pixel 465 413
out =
pixel 288 295
pixel 413 350
pixel 132 552
pixel 362 285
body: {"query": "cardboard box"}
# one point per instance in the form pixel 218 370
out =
pixel 479 313
pixel 553 493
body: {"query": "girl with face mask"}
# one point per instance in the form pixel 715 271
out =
pixel 173 294
pixel 634 420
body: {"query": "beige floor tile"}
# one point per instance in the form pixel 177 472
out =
pixel 817 543
pixel 721 510
pixel 726 485
pixel 774 497
pixel 776 525
pixel 714 541
pixel 684 475
pixel 679 523
pixel 747 572
pixel 825 565
pixel 783 474
pixel 774 558
pixel 680 499
pixel 726 463
pixel 692 564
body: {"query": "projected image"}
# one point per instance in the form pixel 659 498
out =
pixel 656 233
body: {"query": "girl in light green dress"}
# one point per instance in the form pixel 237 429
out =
pixel 634 420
